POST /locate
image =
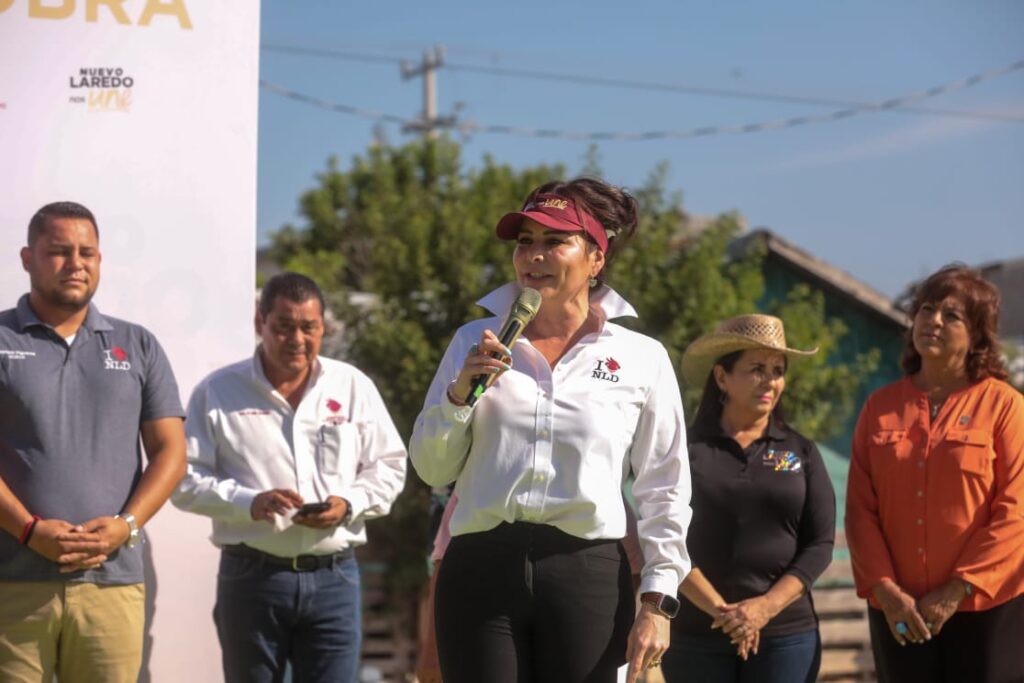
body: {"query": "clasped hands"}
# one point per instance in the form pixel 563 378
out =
pixel 76 547
pixel 742 622
pixel 917 621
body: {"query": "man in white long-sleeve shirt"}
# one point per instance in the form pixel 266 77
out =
pixel 289 453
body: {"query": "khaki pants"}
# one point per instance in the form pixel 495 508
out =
pixel 78 631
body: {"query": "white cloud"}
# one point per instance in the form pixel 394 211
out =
pixel 917 135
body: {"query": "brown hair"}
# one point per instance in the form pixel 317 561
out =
pixel 981 306
pixel 613 207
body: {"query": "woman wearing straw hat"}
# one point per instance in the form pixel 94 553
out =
pixel 763 517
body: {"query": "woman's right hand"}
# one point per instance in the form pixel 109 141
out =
pixel 743 622
pixel 901 608
pixel 748 645
pixel 479 361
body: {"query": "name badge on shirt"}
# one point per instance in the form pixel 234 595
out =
pixel 782 461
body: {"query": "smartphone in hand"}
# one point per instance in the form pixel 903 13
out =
pixel 314 508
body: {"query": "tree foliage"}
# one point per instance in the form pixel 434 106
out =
pixel 408 226
pixel 412 228
pixel 823 391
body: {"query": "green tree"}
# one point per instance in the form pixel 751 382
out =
pixel 823 392
pixel 409 226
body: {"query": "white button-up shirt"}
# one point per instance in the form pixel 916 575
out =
pixel 555 445
pixel 244 438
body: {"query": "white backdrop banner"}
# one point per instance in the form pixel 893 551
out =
pixel 145 112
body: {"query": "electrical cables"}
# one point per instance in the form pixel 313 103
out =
pixel 471 127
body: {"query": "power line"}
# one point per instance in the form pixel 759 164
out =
pixel 330 54
pixel 715 92
pixel 580 79
pixel 428 124
pixel 471 127
pixel 332 106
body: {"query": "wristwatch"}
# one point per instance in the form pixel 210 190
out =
pixel 348 513
pixel 133 528
pixel 667 605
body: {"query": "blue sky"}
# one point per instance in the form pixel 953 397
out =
pixel 886 196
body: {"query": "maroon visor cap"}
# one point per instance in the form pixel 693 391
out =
pixel 557 213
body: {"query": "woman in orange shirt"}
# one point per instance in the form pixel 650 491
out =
pixel 935 499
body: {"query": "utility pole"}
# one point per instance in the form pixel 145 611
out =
pixel 429 122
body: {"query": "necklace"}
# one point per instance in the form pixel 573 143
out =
pixel 935 407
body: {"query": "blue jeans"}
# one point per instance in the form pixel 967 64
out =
pixel 780 659
pixel 269 616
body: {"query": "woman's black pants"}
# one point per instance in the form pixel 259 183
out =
pixel 528 603
pixel 974 647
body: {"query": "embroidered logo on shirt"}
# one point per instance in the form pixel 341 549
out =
pixel 116 359
pixel 334 406
pixel 606 370
pixel 782 461
pixel 16 354
pixel 964 419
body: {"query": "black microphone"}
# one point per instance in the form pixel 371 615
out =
pixel 523 310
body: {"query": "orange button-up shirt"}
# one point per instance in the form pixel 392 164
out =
pixel 928 501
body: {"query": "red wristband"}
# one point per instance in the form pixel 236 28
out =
pixel 30 526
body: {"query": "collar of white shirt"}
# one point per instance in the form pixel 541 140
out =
pixel 260 377
pixel 606 299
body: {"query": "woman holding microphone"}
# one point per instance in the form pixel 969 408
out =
pixel 535 585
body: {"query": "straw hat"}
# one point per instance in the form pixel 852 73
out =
pixel 735 334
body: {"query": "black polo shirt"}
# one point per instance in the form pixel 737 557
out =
pixel 758 513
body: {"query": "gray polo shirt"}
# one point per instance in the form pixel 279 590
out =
pixel 69 428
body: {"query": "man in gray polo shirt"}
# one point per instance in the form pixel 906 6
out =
pixel 76 391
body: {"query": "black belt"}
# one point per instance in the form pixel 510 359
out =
pixel 299 563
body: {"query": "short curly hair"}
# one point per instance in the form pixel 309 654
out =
pixel 981 306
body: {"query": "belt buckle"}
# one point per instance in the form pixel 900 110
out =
pixel 299 566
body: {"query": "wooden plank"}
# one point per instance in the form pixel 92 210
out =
pixel 845 632
pixel 840 572
pixel 829 601
pixel 378 646
pixel 840 664
pixel 392 643
pixel 846 664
